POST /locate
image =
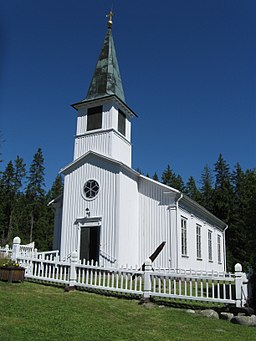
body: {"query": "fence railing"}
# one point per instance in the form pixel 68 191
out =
pixel 203 286
pixel 5 252
pixel 218 288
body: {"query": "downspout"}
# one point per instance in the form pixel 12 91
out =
pixel 225 253
pixel 177 206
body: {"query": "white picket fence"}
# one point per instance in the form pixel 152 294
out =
pixel 203 286
pixel 5 252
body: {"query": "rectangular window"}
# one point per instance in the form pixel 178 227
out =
pixel 210 246
pixel 184 237
pixel 198 242
pixel 94 118
pixel 121 122
pixel 219 248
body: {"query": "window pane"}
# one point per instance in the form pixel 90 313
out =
pixel 198 241
pixel 94 118
pixel 183 237
pixel 219 248
pixel 210 245
pixel 121 122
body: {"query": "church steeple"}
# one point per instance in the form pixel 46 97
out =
pixel 103 118
pixel 106 80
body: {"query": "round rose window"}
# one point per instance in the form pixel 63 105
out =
pixel 91 189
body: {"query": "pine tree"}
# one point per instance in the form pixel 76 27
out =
pixel 206 191
pixel 35 187
pixel 35 192
pixel 223 194
pixel 155 177
pixel 250 213
pixel 237 231
pixel 7 198
pixel 191 189
pixel 1 142
pixel 56 189
pixel 169 178
pixel 19 174
pixel 18 178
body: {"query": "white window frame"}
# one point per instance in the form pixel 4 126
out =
pixel 219 248
pixel 184 243
pixel 198 241
pixel 210 254
pixel 121 123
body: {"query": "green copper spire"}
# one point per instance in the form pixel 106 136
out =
pixel 106 80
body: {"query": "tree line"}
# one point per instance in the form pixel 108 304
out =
pixel 231 196
pixel 228 194
pixel 24 209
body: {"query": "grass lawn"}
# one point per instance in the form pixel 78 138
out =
pixel 36 312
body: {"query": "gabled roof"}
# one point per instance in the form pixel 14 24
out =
pixel 184 200
pixel 81 159
pixel 106 79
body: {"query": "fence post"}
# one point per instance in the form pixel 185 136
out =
pixel 73 263
pixel 238 283
pixel 147 280
pixel 15 248
pixel 6 250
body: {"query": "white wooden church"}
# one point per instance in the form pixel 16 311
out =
pixel 112 214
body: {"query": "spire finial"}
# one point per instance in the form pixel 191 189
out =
pixel 110 16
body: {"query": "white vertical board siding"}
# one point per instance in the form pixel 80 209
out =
pixel 107 140
pixel 191 260
pixel 74 204
pixel 154 222
pixel 121 149
pixel 128 229
pixel 108 143
pixel 107 112
pixel 98 141
pixel 115 122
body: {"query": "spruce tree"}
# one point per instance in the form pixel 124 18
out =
pixel 206 191
pixel 56 189
pixel 237 233
pixel 35 187
pixel 7 193
pixel 191 189
pixel 223 194
pixel 18 178
pixel 19 174
pixel 155 177
pixel 250 213
pixel 35 194
pixel 169 178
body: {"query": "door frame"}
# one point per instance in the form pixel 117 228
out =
pixel 87 222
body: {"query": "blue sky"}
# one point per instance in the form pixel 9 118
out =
pixel 188 71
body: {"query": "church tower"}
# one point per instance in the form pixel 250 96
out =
pixel 103 117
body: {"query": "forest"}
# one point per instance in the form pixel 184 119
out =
pixel 230 194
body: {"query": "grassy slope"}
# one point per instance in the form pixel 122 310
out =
pixel 36 312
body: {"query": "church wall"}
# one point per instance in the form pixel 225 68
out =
pixel 128 232
pixel 191 261
pixel 96 141
pixel 121 149
pixel 107 140
pixel 75 205
pixel 154 222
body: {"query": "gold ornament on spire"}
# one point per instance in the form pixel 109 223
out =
pixel 110 16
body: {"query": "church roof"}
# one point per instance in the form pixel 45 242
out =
pixel 185 201
pixel 106 79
